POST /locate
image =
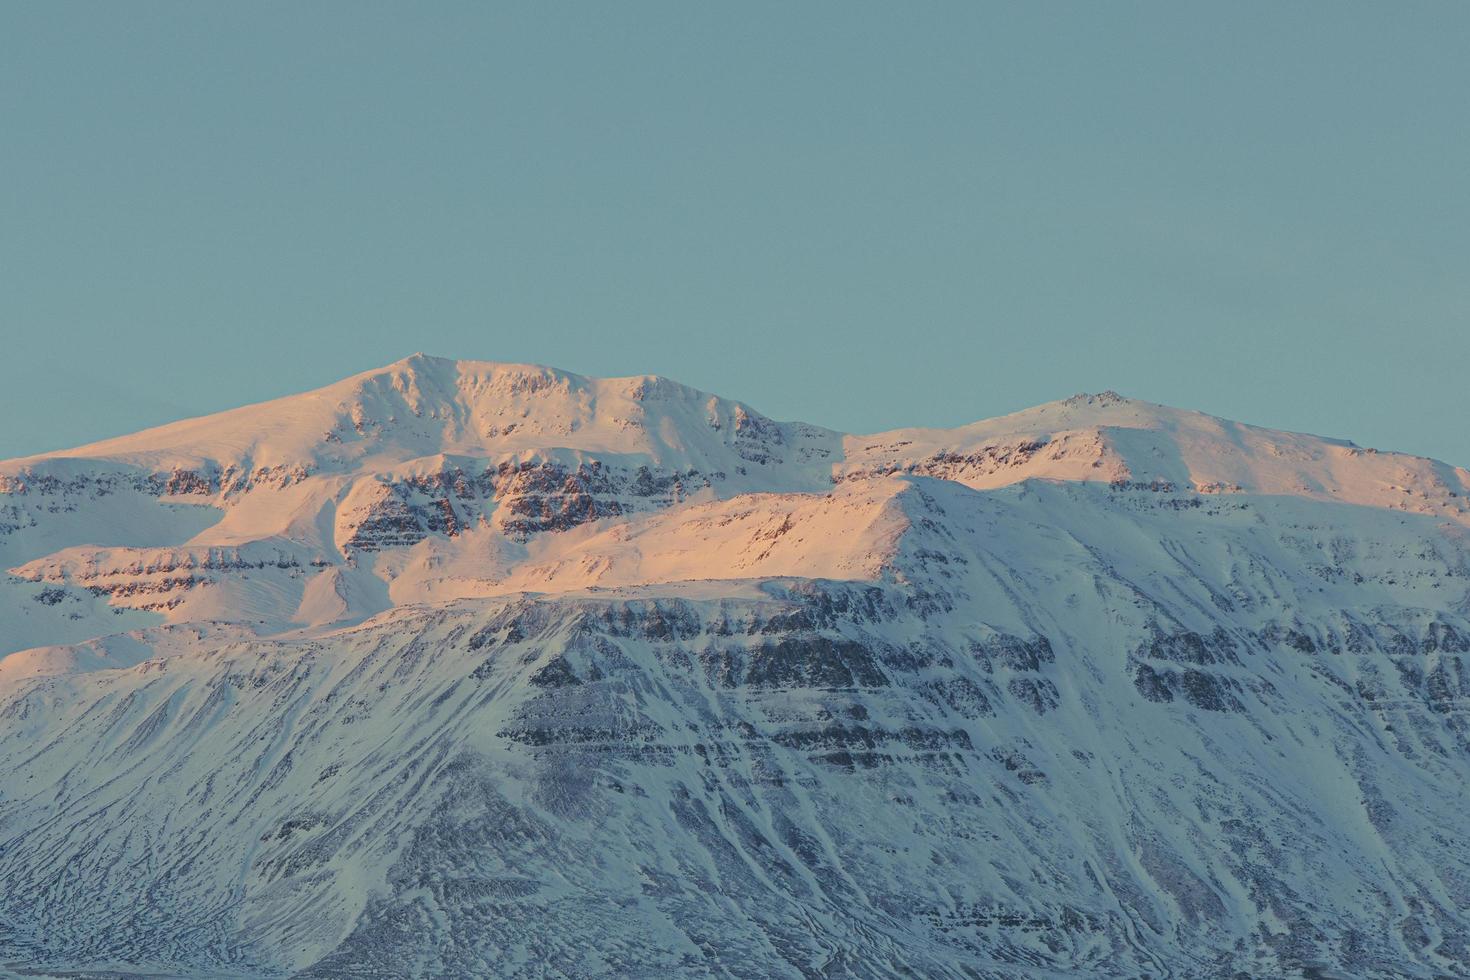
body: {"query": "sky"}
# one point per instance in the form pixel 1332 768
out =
pixel 857 214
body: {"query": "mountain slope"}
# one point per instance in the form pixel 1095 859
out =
pixel 1100 688
pixel 251 513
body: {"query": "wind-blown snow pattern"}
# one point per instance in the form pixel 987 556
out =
pixel 473 669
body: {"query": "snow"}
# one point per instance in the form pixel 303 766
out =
pixel 486 669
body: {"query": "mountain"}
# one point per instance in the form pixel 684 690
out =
pixel 474 669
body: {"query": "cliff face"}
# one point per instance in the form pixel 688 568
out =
pixel 963 704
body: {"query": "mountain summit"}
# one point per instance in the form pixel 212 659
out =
pixel 463 668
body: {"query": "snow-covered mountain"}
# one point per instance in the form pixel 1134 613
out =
pixel 472 669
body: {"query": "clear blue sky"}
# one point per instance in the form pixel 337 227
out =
pixel 863 215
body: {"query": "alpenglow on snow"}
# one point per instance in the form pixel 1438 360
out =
pixel 477 669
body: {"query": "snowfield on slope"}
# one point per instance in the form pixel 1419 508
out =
pixel 471 669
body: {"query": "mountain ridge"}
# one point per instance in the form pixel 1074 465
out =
pixel 414 379
pixel 422 365
pixel 645 683
pixel 375 483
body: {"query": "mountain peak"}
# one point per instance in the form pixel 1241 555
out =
pixel 424 408
pixel 1103 399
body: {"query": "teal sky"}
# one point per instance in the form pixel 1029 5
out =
pixel 862 215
